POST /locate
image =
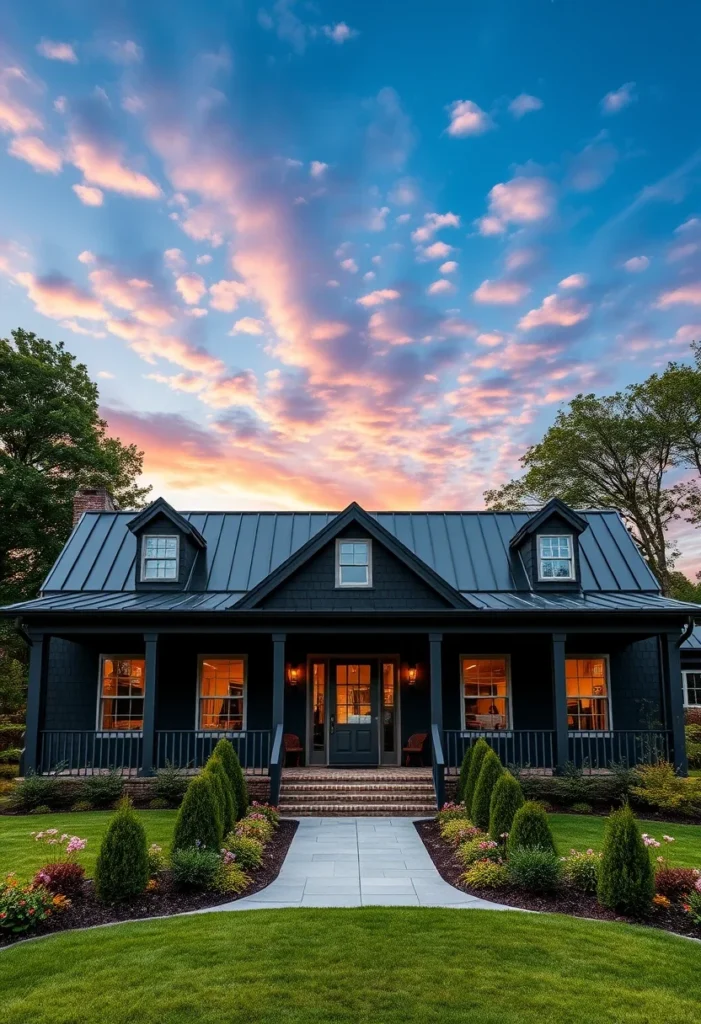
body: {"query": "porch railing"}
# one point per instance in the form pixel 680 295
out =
pixel 190 749
pixel 531 748
pixel 594 751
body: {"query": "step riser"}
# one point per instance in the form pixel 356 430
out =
pixel 359 812
pixel 349 792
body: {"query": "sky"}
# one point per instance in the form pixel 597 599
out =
pixel 333 251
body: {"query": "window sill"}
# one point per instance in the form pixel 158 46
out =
pixel 111 734
pixel 222 733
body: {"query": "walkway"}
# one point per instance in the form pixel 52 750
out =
pixel 357 862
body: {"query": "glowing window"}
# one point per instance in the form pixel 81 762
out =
pixel 222 693
pixel 486 692
pixel 121 693
pixel 587 694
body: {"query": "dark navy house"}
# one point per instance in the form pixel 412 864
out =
pixel 351 639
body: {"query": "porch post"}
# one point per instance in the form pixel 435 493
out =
pixel 560 700
pixel 672 674
pixel 435 641
pixel 37 659
pixel 278 679
pixel 148 733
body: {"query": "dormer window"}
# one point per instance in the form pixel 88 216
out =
pixel 353 563
pixel 555 558
pixel 159 558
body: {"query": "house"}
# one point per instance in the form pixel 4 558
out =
pixel 157 632
pixel 691 670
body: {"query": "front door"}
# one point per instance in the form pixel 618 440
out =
pixel 354 706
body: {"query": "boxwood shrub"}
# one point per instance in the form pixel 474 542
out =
pixel 225 750
pixel 531 829
pixel 507 798
pixel 479 751
pixel 490 772
pixel 626 877
pixel 122 868
pixel 198 822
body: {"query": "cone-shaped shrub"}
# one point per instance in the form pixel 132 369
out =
pixel 479 750
pixel 121 871
pixel 215 766
pixel 507 798
pixel 626 879
pixel 490 772
pixel 198 819
pixel 224 749
pixel 464 772
pixel 531 828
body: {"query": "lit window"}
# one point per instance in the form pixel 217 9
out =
pixel 555 558
pixel 486 692
pixel 121 693
pixel 353 563
pixel 222 691
pixel 587 694
pixel 692 689
pixel 160 558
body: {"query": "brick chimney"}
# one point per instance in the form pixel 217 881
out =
pixel 92 499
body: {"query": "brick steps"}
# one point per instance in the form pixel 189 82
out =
pixel 338 792
pixel 360 810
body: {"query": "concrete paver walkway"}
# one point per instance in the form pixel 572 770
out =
pixel 355 862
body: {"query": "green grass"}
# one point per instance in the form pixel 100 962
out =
pixel 374 965
pixel 582 831
pixel 19 852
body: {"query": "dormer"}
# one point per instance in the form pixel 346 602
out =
pixel 547 548
pixel 167 548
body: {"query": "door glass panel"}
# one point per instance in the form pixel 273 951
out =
pixel 353 700
pixel 388 708
pixel 318 703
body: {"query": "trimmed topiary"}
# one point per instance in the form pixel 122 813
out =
pixel 215 765
pixel 198 821
pixel 490 772
pixel 122 868
pixel 626 878
pixel 507 798
pixel 479 750
pixel 464 772
pixel 225 750
pixel 531 828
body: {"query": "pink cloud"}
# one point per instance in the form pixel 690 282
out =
pixel 226 295
pixel 87 195
pixel 436 251
pixel 102 166
pixel 500 293
pixel 15 115
pixel 574 281
pixel 339 33
pixel 57 297
pixel 685 295
pixel 441 287
pixel 318 169
pixel 555 311
pixel 433 222
pixel 619 99
pixel 57 51
pixel 350 265
pixel 466 118
pixel 524 104
pixel 636 264
pixel 379 297
pixel 490 339
pixel 191 287
pixel 131 293
pixel 448 268
pixel 519 201
pixel 248 325
pixel 35 152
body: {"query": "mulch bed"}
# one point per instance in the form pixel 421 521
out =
pixel 563 902
pixel 87 910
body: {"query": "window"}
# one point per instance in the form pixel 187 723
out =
pixel 388 714
pixel 159 558
pixel 692 689
pixel 486 695
pixel 353 695
pixel 555 560
pixel 222 693
pixel 121 703
pixel 318 705
pixel 587 694
pixel 353 563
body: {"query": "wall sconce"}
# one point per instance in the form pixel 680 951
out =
pixel 411 675
pixel 294 675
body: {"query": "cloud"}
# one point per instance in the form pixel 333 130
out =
pixel 15 115
pixel 86 256
pixel 191 287
pixel 466 118
pixel 135 294
pixel 500 293
pixel 248 325
pixel 318 169
pixel 593 165
pixel 555 311
pixel 87 195
pixel 174 259
pixel 378 218
pixel 441 287
pixel 35 152
pixel 524 104
pixel 519 201
pixel 57 297
pixel 379 297
pixel 636 263
pixel 684 295
pixel 350 265
pixel 57 51
pixel 436 251
pixel 105 374
pixel 125 52
pixel 339 33
pixel 574 281
pixel 448 268
pixel 404 192
pixel 203 259
pixel 433 222
pixel 619 99
pixel 226 295
pixel 490 339
pixel 104 168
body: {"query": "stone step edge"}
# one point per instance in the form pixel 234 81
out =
pixel 352 808
pixel 355 787
pixel 355 798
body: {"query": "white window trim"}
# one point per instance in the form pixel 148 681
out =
pixel 609 698
pixel 221 657
pixel 685 673
pixel 541 558
pixel 159 536
pixel 353 540
pixel 98 712
pixel 509 706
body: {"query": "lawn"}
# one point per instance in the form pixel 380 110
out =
pixel 582 831
pixel 19 852
pixel 374 965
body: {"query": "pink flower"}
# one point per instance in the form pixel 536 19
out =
pixel 590 852
pixel 697 884
pixel 649 841
pixel 668 839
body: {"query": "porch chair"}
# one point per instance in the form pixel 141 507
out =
pixel 292 746
pixel 415 747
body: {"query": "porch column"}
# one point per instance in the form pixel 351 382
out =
pixel 148 734
pixel 672 674
pixel 278 680
pixel 560 701
pixel 435 641
pixel 37 659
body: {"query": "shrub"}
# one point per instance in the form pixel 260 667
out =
pixel 247 851
pixel 121 871
pixel 582 808
pixel 602 790
pixel 478 849
pixel 157 862
pixel 41 809
pixel 198 821
pixel 480 749
pixel 692 906
pixel 534 868
pixel 486 874
pixel 215 765
pixel 171 783
pixel 490 771
pixel 103 790
pixel 256 826
pixel 23 907
pixel 660 787
pixel 626 879
pixel 231 879
pixel 464 772
pixel 452 812
pixel 9 771
pixel 675 883
pixel 158 804
pixel 271 813
pixel 82 805
pixel 35 791
pixel 10 756
pixel 507 797
pixel 693 744
pixel 64 877
pixel 195 868
pixel 232 766
pixel 531 828
pixel 581 870
pixel 459 830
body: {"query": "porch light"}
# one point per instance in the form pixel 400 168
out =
pixel 411 675
pixel 294 675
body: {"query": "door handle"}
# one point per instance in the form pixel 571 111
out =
pixel 333 723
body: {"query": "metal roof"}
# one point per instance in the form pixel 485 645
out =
pixel 694 641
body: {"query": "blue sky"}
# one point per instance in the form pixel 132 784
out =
pixel 332 251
